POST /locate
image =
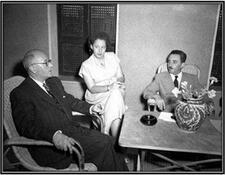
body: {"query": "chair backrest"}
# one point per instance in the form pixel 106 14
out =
pixel 21 153
pixel 9 125
pixel 188 68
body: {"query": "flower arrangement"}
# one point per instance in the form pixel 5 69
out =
pixel 188 93
pixel 194 106
pixel 203 95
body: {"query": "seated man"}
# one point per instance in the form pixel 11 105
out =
pixel 167 84
pixel 42 110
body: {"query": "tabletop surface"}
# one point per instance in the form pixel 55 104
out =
pixel 168 136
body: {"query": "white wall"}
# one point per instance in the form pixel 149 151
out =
pixel 148 32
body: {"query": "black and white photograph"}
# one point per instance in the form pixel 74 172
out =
pixel 112 87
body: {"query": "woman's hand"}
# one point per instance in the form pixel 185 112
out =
pixel 118 85
pixel 97 109
pixel 121 85
pixel 121 79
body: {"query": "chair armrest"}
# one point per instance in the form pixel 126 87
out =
pixel 98 122
pixel 23 141
pixel 77 113
pixel 20 141
pixel 80 154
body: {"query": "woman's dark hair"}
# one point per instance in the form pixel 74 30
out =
pixel 102 36
pixel 183 55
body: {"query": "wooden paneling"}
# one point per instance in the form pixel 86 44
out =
pixel 76 23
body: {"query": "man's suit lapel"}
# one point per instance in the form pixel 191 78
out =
pixel 39 91
pixel 56 94
pixel 169 80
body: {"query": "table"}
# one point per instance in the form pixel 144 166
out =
pixel 167 136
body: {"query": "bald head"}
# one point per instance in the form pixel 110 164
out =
pixel 31 57
pixel 37 64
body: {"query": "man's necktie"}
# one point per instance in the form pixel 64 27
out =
pixel 56 99
pixel 47 89
pixel 176 81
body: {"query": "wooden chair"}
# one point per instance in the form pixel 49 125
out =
pixel 19 143
pixel 188 68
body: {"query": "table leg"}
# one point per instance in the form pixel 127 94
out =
pixel 140 160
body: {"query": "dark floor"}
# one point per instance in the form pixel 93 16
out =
pixel 150 165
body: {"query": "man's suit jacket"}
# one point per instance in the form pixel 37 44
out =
pixel 163 84
pixel 38 115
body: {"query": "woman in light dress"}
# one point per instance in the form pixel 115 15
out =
pixel 104 78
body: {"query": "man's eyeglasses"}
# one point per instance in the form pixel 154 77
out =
pixel 47 62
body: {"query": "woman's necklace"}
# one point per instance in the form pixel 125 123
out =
pixel 102 62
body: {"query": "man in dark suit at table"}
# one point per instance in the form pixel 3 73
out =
pixel 165 85
pixel 45 113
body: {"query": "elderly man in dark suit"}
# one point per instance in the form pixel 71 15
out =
pixel 42 110
pixel 167 84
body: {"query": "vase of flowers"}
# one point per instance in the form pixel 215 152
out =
pixel 193 107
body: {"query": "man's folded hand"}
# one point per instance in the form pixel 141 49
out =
pixel 160 103
pixel 63 142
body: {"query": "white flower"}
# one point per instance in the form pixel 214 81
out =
pixel 212 93
pixel 183 84
pixel 212 80
pixel 188 92
pixel 176 91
